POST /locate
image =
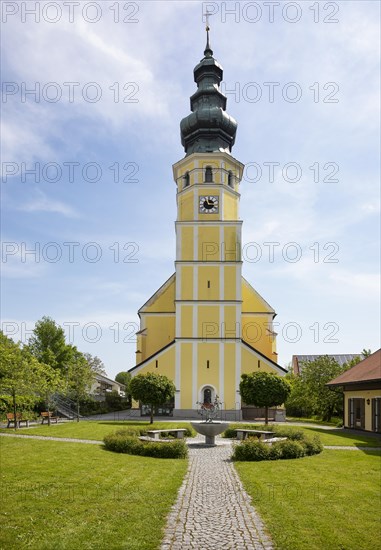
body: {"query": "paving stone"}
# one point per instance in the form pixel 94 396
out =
pixel 212 509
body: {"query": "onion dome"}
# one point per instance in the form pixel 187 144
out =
pixel 208 128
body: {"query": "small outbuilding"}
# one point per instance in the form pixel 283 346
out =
pixel 362 394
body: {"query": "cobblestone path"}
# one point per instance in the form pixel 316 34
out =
pixel 212 510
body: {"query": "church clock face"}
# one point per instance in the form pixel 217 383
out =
pixel 208 204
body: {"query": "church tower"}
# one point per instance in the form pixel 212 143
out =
pixel 206 325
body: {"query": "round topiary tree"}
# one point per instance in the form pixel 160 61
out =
pixel 152 389
pixel 264 389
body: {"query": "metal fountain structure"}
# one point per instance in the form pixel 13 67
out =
pixel 208 427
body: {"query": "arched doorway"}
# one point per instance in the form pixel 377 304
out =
pixel 207 395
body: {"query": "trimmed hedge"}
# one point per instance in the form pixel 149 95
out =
pixel 123 443
pixel 255 451
pixel 142 430
pixel 279 431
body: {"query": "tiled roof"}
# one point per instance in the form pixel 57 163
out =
pixel 365 371
pixel 343 358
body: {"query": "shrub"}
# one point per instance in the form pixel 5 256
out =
pixel 251 450
pixel 275 451
pixel 291 449
pixel 339 424
pixel 115 402
pixel 230 433
pixel 280 431
pixel 123 443
pixel 290 433
pixel 312 446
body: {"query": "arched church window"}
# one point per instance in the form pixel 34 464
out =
pixel 207 395
pixel 230 179
pixel 208 174
pixel 186 179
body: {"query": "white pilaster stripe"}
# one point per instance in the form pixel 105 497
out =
pixel 222 321
pixel 238 297
pixel 178 282
pixel 195 243
pixel 238 321
pixel 237 373
pixel 222 371
pixel 238 283
pixel 196 172
pixel 194 375
pixel 178 242
pixel 222 244
pixel 222 281
pixel 194 320
pixel 195 202
pixel 195 282
pixel 178 320
pixel 178 375
pixel 222 267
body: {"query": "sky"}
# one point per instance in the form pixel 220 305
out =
pixel 92 97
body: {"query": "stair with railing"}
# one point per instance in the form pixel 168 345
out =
pixel 66 407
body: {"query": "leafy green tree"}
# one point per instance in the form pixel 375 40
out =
pixel 50 384
pixel 314 377
pixel 152 389
pixel 48 345
pixel 298 402
pixel 96 364
pixel 264 389
pixel 125 379
pixel 21 375
pixel 80 376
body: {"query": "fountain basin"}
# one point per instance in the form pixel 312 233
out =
pixel 210 430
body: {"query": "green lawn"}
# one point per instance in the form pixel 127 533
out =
pixel 337 436
pixel 329 501
pixel 76 496
pixel 332 423
pixel 94 429
pixel 342 437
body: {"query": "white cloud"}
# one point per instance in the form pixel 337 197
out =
pixel 42 203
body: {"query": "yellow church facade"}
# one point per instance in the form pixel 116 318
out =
pixel 206 325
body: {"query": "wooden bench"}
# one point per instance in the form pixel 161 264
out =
pixel 19 419
pixel 47 415
pixel 260 434
pixel 155 434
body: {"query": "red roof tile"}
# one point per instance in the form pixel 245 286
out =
pixel 368 369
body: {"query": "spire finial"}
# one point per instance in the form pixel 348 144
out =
pixel 208 50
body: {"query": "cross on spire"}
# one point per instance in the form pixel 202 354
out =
pixel 207 14
pixel 208 50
